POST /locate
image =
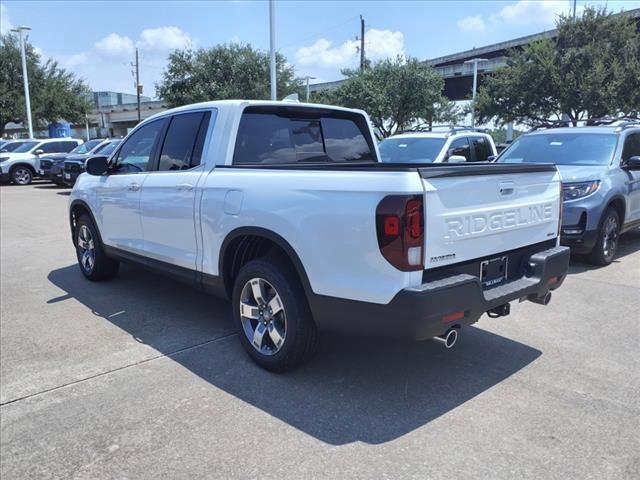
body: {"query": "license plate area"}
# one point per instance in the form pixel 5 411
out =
pixel 493 271
pixel 67 176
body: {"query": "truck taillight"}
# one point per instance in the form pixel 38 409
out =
pixel 400 229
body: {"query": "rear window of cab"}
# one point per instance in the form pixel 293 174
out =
pixel 284 135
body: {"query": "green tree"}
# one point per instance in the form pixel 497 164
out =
pixel 591 69
pixel 396 94
pixel 55 93
pixel 223 72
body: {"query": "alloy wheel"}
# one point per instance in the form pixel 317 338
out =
pixel 264 321
pixel 86 248
pixel 22 176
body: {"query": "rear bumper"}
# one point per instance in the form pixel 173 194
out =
pixel 418 313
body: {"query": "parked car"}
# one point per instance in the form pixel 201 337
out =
pixel 73 165
pixel 21 165
pixel 285 209
pixel 452 145
pixel 10 145
pixel 47 162
pixel 600 168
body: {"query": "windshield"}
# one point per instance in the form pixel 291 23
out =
pixel 108 148
pixel 25 147
pixel 86 147
pixel 562 149
pixel 10 146
pixel 410 150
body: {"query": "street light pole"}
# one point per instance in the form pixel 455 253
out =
pixel 272 45
pixel 308 78
pixel 25 76
pixel 475 62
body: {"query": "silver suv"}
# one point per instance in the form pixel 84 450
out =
pixel 21 165
pixel 453 145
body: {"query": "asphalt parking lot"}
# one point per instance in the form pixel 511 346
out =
pixel 142 377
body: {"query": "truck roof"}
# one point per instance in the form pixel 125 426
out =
pixel 241 104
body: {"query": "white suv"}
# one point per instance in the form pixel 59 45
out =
pixel 21 165
pixel 455 145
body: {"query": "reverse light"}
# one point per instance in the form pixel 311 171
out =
pixel 573 191
pixel 400 230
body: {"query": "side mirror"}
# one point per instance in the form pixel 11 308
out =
pixel 39 151
pixel 491 158
pixel 457 159
pixel 97 165
pixel 632 163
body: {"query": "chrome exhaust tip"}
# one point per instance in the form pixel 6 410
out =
pixel 448 339
pixel 542 300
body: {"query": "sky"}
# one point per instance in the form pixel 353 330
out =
pixel 97 40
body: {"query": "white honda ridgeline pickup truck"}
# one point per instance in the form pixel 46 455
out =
pixel 285 209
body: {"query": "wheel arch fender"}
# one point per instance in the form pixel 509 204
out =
pixel 76 208
pixel 231 242
pixel 619 204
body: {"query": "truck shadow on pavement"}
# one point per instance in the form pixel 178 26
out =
pixel 372 391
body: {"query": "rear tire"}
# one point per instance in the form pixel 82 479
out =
pixel 607 243
pixel 21 175
pixel 271 311
pixel 92 260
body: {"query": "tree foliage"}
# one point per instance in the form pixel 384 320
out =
pixel 223 72
pixel 55 93
pixel 395 93
pixel 591 69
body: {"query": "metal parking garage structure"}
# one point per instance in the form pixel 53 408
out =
pixel 458 75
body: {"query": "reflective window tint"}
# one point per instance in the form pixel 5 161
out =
pixel 135 152
pixel 274 135
pixel 460 147
pixel 196 157
pixel 307 139
pixel 345 141
pixel 481 148
pixel 631 146
pixel 179 142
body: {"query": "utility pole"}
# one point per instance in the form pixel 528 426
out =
pixel 475 62
pixel 25 77
pixel 362 63
pixel 138 84
pixel 272 46
pixel 307 78
pixel 574 9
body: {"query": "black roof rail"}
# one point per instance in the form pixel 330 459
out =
pixel 551 124
pixel 624 121
pixel 451 129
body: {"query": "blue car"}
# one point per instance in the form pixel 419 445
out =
pixel 600 169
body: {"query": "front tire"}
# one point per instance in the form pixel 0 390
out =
pixel 607 243
pixel 92 260
pixel 272 313
pixel 21 175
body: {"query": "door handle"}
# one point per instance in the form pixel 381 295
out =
pixel 184 186
pixel 134 187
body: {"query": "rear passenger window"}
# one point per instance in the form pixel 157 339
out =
pixel 50 147
pixel 66 147
pixel 179 142
pixel 481 148
pixel 283 135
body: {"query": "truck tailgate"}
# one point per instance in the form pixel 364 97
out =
pixel 478 210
